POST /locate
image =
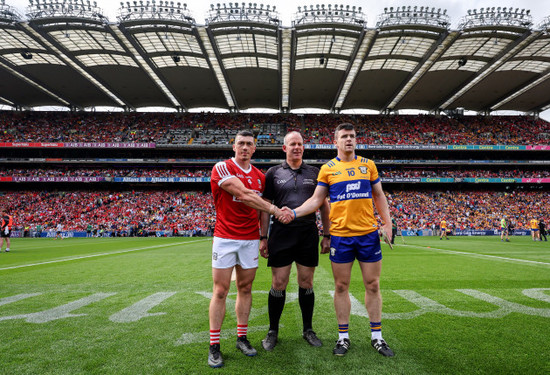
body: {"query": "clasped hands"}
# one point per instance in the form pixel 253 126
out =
pixel 285 215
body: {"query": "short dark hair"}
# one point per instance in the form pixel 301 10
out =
pixel 343 126
pixel 245 133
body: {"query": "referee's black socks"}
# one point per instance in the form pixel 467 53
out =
pixel 275 306
pixel 306 297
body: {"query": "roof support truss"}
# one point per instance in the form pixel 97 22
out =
pixel 364 43
pixel 439 47
pixel 517 46
pixel 286 57
pixel 71 63
pixel 144 64
pixel 215 64
pixel 34 83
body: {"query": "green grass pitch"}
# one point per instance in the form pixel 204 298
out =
pixel 140 306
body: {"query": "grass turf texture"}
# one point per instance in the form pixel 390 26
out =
pixel 175 340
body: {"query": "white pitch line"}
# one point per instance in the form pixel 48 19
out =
pixel 59 245
pixel 481 255
pixel 80 241
pixel 97 255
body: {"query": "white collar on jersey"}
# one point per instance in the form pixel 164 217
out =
pixel 247 171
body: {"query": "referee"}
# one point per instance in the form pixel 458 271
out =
pixel 290 184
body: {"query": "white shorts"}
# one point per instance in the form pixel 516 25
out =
pixel 228 253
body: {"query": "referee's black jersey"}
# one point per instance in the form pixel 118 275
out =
pixel 289 187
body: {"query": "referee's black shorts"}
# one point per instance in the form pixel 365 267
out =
pixel 6 235
pixel 293 244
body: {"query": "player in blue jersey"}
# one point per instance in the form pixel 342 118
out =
pixel 353 185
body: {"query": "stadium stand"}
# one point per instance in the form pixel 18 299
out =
pixel 128 212
pixel 114 212
pixel 151 169
pixel 99 172
pixel 220 129
pixel 422 172
pixel 133 194
pixel 466 209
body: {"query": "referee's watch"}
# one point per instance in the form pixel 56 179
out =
pixel 326 236
pixel 263 238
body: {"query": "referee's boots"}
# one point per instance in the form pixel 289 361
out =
pixel 312 339
pixel 270 340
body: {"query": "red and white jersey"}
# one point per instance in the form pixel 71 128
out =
pixel 234 219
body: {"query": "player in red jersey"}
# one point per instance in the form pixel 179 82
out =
pixel 7 223
pixel 237 187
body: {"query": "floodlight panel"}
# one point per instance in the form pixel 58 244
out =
pixel 250 62
pixel 150 42
pixel 343 45
pixel 81 40
pixel 10 39
pixel 491 49
pixel 106 59
pixel 466 47
pixel 383 46
pixel 400 64
pixel 37 58
pixel 539 48
pixel 471 65
pixel 266 44
pixel 106 40
pixel 413 46
pixel 266 63
pixel 373 64
pixel 314 63
pixel 75 40
pixel 337 64
pixel 390 64
pixel 310 63
pixel 187 61
pixel 160 41
pixel 526 65
pixel 322 44
pixel 229 44
pixel 184 43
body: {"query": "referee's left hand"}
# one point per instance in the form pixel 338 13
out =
pixel 263 248
pixel 325 245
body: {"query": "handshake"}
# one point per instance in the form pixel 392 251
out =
pixel 285 215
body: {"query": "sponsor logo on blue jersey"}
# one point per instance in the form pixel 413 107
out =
pixel 354 186
pixel 346 190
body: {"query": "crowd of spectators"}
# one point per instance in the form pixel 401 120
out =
pixel 403 172
pixel 134 212
pixel 187 212
pixel 163 128
pixel 108 172
pixel 123 212
pixel 457 172
pixel 481 210
pixel 431 130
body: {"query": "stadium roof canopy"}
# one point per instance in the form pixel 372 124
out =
pixel 66 53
